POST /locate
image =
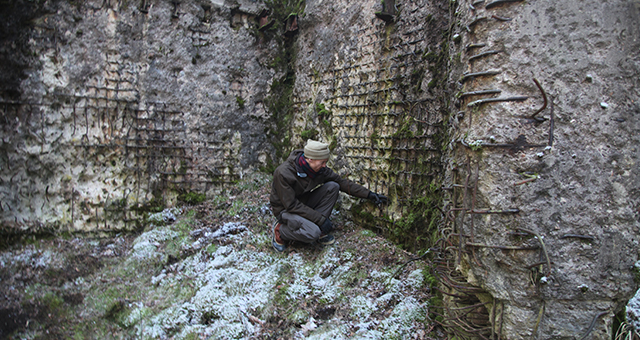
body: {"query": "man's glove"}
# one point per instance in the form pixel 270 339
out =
pixel 377 198
pixel 326 227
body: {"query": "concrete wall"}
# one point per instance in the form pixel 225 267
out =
pixel 380 85
pixel 581 213
pixel 122 105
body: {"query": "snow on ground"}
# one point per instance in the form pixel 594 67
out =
pixel 209 272
pixel 237 288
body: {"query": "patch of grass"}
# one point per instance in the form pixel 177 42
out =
pixel 254 182
pixel 240 102
pixel 405 131
pixel 192 198
pixel 211 249
pixel 155 205
pixel 192 336
pixel 367 233
pixel 322 111
pixel 53 304
pixel 117 312
pixel 236 207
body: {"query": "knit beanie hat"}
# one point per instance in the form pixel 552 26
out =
pixel 316 150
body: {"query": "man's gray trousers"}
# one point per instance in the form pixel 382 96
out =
pixel 297 228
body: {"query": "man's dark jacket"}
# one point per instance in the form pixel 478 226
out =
pixel 289 191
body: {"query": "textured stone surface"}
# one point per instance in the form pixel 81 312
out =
pixel 584 204
pixel 121 107
pixel 381 83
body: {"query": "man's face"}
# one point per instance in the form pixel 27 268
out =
pixel 317 164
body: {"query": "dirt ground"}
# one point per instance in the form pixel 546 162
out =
pixel 120 286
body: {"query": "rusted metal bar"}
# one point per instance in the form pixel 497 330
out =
pixel 499 2
pixel 503 211
pixel 471 46
pixel 484 54
pixel 551 125
pixel 593 323
pixel 495 100
pixel 468 328
pixel 479 93
pixel 526 181
pixel 544 248
pixel 470 307
pixel 499 18
pixel 584 237
pixel 475 21
pixel 459 287
pixel 501 247
pixel 464 202
pixel 473 205
pixel 544 97
pixel 468 76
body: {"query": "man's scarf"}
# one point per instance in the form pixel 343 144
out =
pixel 302 162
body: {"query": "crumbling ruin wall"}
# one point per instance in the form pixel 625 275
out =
pixel 114 108
pixel 370 81
pixel 542 191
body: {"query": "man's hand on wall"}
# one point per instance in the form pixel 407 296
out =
pixel 378 198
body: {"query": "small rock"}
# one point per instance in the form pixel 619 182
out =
pixel 309 326
pixel 604 105
pixel 589 78
pixel 197 233
pixel 108 253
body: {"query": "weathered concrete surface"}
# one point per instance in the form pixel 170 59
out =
pixel 374 90
pixel 116 107
pixel 584 204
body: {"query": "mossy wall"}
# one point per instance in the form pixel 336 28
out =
pixel 115 117
pixel 119 108
pixel 372 89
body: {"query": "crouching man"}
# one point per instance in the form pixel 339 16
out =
pixel 303 194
